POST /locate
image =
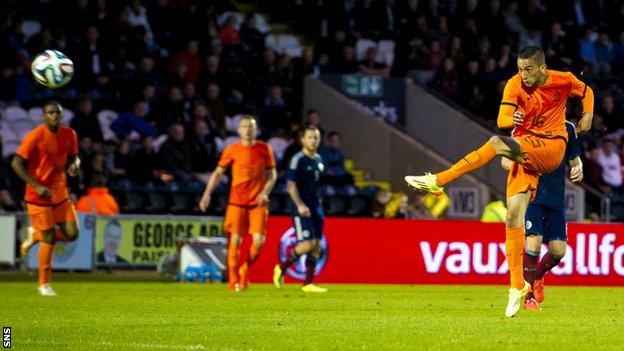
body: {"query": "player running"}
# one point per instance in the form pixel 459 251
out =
pixel 304 186
pixel 40 161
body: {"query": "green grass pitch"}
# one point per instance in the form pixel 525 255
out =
pixel 105 311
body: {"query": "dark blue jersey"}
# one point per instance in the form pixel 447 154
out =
pixel 306 173
pixel 551 186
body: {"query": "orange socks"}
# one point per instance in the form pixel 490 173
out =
pixel 253 253
pixel 45 262
pixel 514 248
pixel 232 259
pixel 469 163
pixel 253 256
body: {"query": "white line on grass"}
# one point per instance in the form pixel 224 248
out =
pixel 119 344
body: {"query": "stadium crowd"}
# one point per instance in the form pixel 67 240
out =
pixel 174 75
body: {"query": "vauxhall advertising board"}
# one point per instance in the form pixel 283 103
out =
pixel 391 251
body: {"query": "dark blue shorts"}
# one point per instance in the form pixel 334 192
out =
pixel 546 221
pixel 308 228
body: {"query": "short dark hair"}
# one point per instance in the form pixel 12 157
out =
pixel 310 127
pixel 52 102
pixel 311 111
pixel 331 134
pixel 532 52
pixel 249 117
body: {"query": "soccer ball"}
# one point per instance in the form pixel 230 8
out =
pixel 52 69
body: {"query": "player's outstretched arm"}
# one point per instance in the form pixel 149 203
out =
pixel 213 181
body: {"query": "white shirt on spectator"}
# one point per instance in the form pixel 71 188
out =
pixel 611 168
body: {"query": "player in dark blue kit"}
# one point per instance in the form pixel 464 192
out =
pixel 545 221
pixel 304 186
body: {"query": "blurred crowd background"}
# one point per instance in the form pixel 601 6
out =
pixel 159 85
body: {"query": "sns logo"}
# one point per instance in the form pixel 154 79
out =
pixel 528 225
pixel 298 269
pixel 6 337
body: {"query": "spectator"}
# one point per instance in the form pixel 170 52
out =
pixel 85 122
pixel 275 113
pixel 587 49
pixel 136 15
pixel 613 116
pixel 203 150
pixel 191 60
pixel 611 164
pixel 381 199
pixel 173 110
pixel 133 124
pixel 419 210
pixel 404 211
pixel 604 54
pixel 145 167
pixel 212 72
pixel 370 65
pixel 593 169
pixel 347 63
pixel 229 33
pixel 176 154
pixel 92 58
pixel 313 117
pixel 98 199
pixel 335 174
pixel 251 37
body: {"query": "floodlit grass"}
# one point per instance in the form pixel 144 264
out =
pixel 130 312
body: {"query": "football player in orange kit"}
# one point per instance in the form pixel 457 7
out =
pixel 534 105
pixel 40 161
pixel 253 178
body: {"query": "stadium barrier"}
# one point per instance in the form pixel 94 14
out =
pixel 355 250
pixel 7 239
pixel 142 240
pixel 378 251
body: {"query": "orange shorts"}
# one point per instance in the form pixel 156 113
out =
pixel 246 220
pixel 542 155
pixel 43 218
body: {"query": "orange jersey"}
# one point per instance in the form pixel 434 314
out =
pixel 249 165
pixel 47 154
pixel 544 107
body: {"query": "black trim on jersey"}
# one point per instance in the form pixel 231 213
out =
pixel 247 207
pixel 510 104
pixel 584 91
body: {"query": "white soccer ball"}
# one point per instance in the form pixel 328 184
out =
pixel 52 69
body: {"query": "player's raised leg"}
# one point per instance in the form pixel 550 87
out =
pixel 497 145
